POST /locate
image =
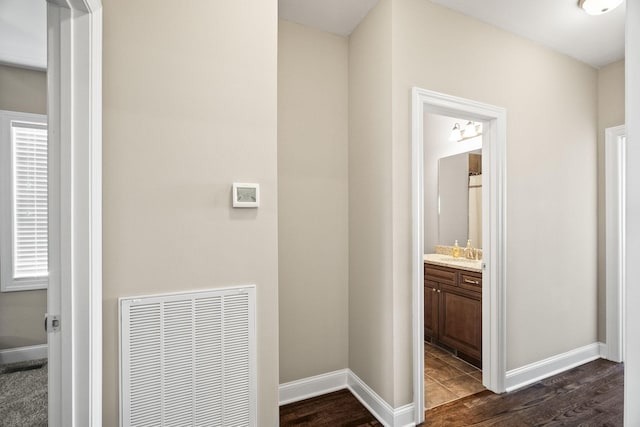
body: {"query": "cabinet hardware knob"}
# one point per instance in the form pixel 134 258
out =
pixel 438 290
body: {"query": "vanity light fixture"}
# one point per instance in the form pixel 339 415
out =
pixel 456 133
pixel 598 7
pixel 471 130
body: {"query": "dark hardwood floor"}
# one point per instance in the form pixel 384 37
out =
pixel 339 408
pixel 589 395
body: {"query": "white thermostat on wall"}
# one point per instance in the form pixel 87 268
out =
pixel 246 195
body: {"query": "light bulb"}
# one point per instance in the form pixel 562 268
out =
pixel 456 134
pixel 469 130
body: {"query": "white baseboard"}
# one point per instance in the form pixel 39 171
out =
pixel 306 388
pixel 23 354
pixel 529 374
pixel 388 416
pixel 371 400
pixel 604 351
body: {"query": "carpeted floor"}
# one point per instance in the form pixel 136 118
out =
pixel 23 394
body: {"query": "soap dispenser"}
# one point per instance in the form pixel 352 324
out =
pixel 456 250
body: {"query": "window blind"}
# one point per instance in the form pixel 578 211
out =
pixel 29 188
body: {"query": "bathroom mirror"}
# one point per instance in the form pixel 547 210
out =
pixel 460 199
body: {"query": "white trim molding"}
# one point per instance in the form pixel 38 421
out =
pixel 494 224
pixel 615 165
pixel 604 352
pixel 306 388
pixel 533 372
pixel 23 354
pixel 74 105
pixel 317 385
pixel 632 235
pixel 385 413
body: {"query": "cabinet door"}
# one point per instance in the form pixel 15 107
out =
pixel 460 322
pixel 430 309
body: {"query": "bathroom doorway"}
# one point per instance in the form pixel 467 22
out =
pixel 492 266
pixel 452 259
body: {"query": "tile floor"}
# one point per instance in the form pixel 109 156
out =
pixel 447 378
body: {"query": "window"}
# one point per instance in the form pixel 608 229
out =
pixel 23 202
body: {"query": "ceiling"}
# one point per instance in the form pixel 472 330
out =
pixel 335 16
pixel 23 33
pixel 557 24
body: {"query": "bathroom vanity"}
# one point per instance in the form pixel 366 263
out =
pixel 453 305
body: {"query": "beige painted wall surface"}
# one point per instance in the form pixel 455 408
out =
pixel 551 103
pixel 21 313
pixel 370 250
pixel 190 106
pixel 312 201
pixel 23 90
pixel 610 113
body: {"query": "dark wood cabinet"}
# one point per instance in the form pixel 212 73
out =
pixel 453 309
pixel 430 309
pixel 460 320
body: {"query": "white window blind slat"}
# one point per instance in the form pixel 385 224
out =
pixel 30 198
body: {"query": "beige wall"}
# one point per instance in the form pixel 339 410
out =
pixel 312 201
pixel 190 106
pixel 610 113
pixel 551 102
pixel 23 90
pixel 21 313
pixel 371 316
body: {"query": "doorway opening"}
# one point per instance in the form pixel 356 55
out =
pixel 24 226
pixel 452 268
pixel 493 264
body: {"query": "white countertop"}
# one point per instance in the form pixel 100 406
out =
pixel 449 261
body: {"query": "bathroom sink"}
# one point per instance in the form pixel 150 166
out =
pixel 448 260
pixel 465 260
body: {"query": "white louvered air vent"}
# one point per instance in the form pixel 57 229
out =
pixel 188 359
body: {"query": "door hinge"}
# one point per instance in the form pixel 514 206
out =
pixel 51 323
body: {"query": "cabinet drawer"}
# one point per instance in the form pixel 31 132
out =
pixel 440 275
pixel 471 282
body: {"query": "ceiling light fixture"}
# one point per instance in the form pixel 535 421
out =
pixel 471 130
pixel 598 7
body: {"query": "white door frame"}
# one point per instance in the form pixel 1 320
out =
pixel 494 234
pixel 615 170
pixel 74 104
pixel 632 235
